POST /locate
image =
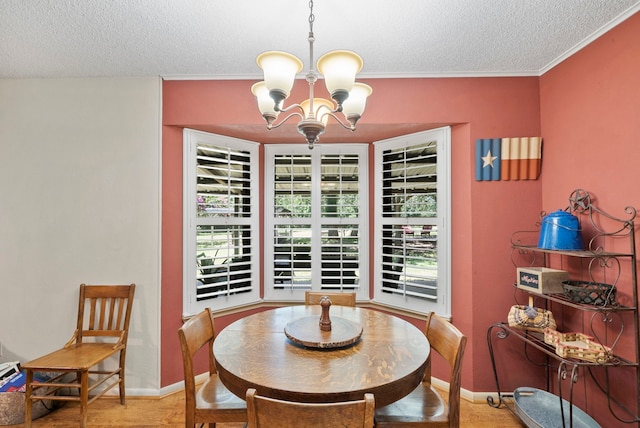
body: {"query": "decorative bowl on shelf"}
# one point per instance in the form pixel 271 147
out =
pixel 541 409
pixel 589 293
pixel 577 345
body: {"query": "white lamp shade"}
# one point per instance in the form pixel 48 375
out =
pixel 265 102
pixel 357 100
pixel 339 69
pixel 318 103
pixel 280 69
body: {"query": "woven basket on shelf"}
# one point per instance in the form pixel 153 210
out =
pixel 589 293
pixel 530 318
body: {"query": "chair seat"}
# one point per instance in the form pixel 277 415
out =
pixel 79 356
pixel 422 407
pixel 213 395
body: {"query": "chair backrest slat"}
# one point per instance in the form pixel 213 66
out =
pixel 120 302
pixel 112 306
pixel 103 310
pixel 92 314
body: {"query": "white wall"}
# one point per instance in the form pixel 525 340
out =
pixel 79 202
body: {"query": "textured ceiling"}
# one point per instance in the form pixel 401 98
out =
pixel 221 38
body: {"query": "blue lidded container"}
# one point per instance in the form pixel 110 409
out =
pixel 560 230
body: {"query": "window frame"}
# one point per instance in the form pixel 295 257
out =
pixel 191 139
pixel 442 305
pixel 273 292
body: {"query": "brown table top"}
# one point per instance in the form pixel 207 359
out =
pixel 389 360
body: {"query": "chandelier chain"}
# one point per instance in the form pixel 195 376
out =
pixel 312 17
pixel 311 77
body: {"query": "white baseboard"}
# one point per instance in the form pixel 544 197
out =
pixel 155 392
pixel 179 386
pixel 465 394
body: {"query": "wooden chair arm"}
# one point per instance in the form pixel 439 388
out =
pixel 73 339
pixel 120 343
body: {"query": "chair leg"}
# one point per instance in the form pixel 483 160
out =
pixel 84 397
pixel 28 403
pixel 122 394
pixel 121 378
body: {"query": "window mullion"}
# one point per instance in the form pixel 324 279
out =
pixel 316 218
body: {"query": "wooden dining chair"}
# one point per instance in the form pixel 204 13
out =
pixel 264 412
pixel 424 407
pixel 212 402
pixel 341 299
pixel 104 312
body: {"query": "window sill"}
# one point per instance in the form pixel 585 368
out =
pixel 371 304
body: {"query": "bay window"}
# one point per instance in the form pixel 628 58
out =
pixel 317 221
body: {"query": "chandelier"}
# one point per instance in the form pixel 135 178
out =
pixel 339 69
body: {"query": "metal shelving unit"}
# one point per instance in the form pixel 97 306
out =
pixel 595 262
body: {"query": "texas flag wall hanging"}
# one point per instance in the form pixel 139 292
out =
pixel 517 158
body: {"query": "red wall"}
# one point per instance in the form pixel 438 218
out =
pixel 484 214
pixel 590 122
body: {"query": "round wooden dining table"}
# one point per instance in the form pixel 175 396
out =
pixel 388 360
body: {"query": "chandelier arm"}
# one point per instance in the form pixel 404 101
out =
pixel 295 113
pixel 291 107
pixel 351 126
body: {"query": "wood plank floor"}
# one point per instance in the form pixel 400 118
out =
pixel 168 412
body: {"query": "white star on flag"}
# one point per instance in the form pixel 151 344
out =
pixel 488 159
